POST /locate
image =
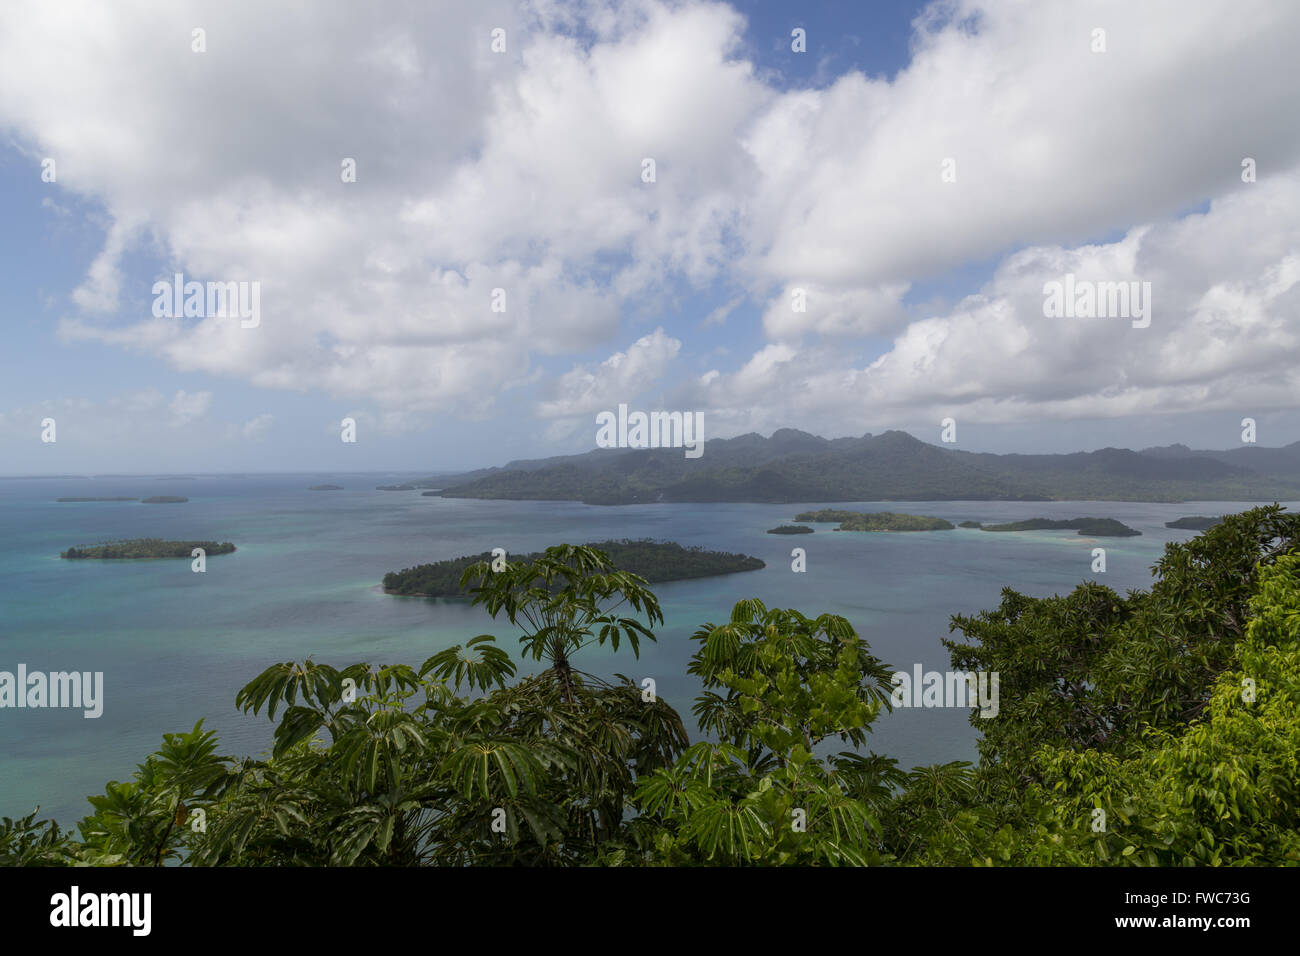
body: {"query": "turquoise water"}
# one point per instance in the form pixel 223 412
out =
pixel 175 646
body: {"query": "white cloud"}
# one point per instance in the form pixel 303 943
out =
pixel 620 378
pixel 522 172
pixel 256 428
pixel 1223 335
pixel 185 407
pixel 841 313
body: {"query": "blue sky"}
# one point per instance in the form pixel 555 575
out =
pixel 776 171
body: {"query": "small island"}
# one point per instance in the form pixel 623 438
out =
pixel 790 529
pixel 431 494
pixel 324 487
pixel 1091 527
pixel 164 500
pixel 147 548
pixel 826 514
pixel 1193 523
pixel 656 561
pixel 970 524
pixel 394 487
pixel 96 499
pixel 876 520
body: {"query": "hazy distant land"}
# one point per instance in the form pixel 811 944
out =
pixel 793 466
pixel 1091 527
pixel 96 499
pixel 876 520
pixel 1193 523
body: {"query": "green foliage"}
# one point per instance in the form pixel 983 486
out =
pixel 1223 790
pixel 1105 679
pixel 141 822
pixel 777 684
pixel 397 766
pixel 31 842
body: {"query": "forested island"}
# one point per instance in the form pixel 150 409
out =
pixel 147 548
pixel 656 561
pixel 394 487
pixel 876 520
pixel 96 499
pixel 795 466
pixel 164 500
pixel 324 487
pixel 1092 527
pixel 790 529
pixel 1193 523
pixel 970 524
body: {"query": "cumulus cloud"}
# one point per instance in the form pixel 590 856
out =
pixel 520 174
pixel 839 313
pixel 1050 141
pixel 618 379
pixel 1225 291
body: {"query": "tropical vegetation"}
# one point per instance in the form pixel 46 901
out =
pixel 1157 728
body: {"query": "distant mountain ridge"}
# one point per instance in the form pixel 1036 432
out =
pixel 794 466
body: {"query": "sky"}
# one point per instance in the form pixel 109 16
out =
pixel 501 268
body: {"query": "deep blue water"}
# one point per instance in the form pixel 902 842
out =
pixel 175 646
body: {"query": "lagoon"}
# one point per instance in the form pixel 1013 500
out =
pixel 175 646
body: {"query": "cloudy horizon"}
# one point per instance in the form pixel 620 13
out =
pixel 473 228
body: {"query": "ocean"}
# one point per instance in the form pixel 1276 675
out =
pixel 175 646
